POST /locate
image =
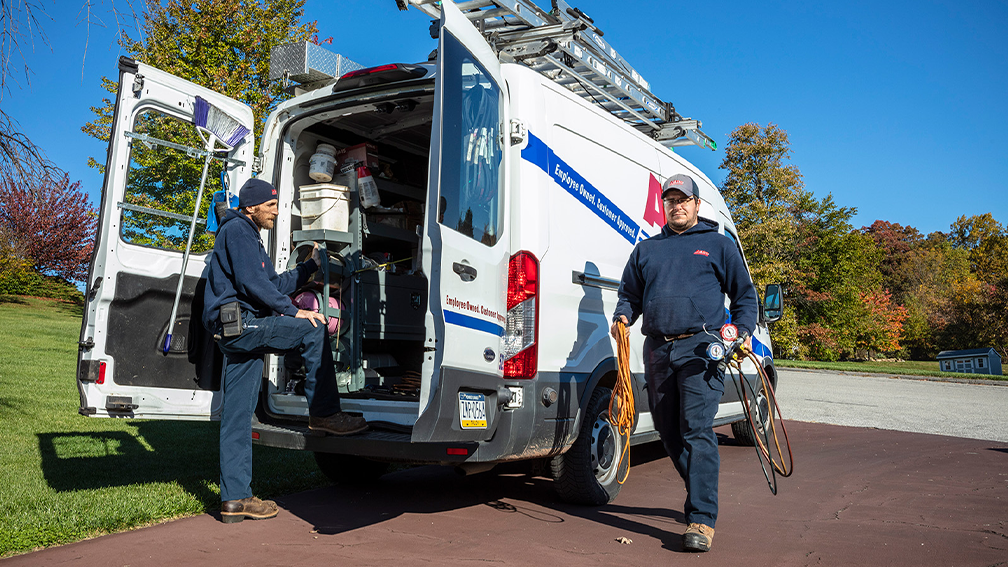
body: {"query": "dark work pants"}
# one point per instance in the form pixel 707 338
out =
pixel 684 390
pixel 243 373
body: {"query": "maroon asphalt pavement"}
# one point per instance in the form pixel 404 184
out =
pixel 857 497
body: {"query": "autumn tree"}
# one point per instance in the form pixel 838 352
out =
pixel 897 245
pixel 50 227
pixel 978 317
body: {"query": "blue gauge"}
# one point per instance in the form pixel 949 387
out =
pixel 715 351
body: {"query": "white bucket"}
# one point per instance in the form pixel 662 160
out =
pixel 325 206
pixel 322 164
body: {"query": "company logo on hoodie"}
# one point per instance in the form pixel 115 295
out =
pixel 702 253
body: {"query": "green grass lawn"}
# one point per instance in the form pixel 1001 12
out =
pixel 905 367
pixel 64 477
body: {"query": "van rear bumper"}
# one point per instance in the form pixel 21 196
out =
pixel 374 444
pixel 537 429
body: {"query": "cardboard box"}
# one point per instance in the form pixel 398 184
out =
pixel 364 153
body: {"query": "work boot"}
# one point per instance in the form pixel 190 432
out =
pixel 698 537
pixel 234 511
pixel 339 423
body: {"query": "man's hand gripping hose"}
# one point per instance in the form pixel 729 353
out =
pixel 622 413
pixel 763 426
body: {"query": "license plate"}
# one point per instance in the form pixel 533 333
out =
pixel 472 411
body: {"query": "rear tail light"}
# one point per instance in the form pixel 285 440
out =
pixel 521 333
pixel 101 373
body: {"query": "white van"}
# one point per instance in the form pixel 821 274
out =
pixel 474 301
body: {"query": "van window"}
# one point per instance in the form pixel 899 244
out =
pixel 471 181
pixel 163 181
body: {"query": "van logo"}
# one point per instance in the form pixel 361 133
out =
pixel 654 211
pixel 489 355
pixel 702 253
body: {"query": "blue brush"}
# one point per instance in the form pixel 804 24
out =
pixel 215 127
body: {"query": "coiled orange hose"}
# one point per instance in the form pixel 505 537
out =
pixel 622 399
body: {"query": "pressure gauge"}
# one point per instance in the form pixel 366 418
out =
pixel 715 351
pixel 729 332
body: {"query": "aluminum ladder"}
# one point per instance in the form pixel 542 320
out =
pixel 567 47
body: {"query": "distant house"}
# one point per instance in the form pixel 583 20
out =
pixel 971 361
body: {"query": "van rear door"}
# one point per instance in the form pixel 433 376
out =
pixel 465 243
pixel 151 180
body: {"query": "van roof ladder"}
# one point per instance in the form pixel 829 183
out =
pixel 566 46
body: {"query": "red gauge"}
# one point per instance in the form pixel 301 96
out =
pixel 729 332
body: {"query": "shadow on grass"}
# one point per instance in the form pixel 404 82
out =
pixel 73 309
pixel 62 306
pixel 180 452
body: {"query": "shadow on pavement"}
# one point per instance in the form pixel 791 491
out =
pixel 509 489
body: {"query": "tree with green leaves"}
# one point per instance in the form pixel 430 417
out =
pixel 828 268
pixel 223 45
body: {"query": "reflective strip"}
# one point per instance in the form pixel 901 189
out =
pixel 468 322
pixel 540 155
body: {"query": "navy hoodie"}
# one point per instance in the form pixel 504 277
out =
pixel 239 269
pixel 679 282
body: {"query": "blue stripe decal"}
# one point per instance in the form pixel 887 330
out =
pixel 540 155
pixel 760 349
pixel 473 323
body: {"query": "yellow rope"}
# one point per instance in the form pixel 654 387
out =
pixel 622 397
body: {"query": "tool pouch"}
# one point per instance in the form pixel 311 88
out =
pixel 230 318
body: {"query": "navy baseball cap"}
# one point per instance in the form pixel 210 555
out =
pixel 255 192
pixel 681 182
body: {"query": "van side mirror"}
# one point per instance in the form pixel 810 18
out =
pixel 773 305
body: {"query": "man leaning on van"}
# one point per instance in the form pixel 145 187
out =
pixel 249 311
pixel 678 280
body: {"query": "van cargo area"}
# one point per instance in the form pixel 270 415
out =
pixel 374 278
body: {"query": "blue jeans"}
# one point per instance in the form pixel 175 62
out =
pixel 243 376
pixel 684 390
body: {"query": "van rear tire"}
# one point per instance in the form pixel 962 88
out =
pixel 350 469
pixel 588 472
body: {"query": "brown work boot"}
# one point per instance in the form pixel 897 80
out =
pixel 339 423
pixel 234 511
pixel 698 537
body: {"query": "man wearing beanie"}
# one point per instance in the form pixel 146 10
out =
pixel 243 296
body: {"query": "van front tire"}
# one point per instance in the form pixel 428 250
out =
pixel 588 472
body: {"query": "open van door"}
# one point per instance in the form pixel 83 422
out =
pixel 151 180
pixel 465 243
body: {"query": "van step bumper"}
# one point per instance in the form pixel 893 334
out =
pixel 374 443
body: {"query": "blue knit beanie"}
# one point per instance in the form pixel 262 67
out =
pixel 255 192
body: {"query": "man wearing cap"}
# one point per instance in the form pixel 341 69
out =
pixel 678 281
pixel 243 293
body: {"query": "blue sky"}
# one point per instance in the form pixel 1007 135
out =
pixel 896 108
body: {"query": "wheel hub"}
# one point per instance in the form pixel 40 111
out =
pixel 604 449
